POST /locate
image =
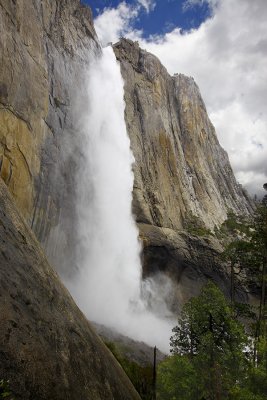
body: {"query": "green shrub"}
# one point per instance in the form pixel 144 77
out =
pixel 195 226
pixel 4 390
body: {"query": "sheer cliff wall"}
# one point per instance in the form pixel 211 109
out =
pixel 183 178
pixel 181 170
pixel 45 48
pixel 48 349
pixel 182 175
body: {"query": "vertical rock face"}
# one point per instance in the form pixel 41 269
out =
pixel 181 170
pixel 182 175
pixel 48 350
pixel 44 48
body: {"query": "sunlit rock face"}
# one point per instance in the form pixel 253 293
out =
pixel 182 174
pixel 44 48
pixel 180 169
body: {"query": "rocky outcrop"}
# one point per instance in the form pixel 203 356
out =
pixel 189 260
pixel 181 171
pixel 183 178
pixel 48 350
pixel 44 48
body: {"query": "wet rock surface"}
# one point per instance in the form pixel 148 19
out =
pixel 48 350
pixel 45 50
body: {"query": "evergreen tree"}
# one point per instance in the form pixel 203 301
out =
pixel 177 379
pixel 211 356
pixel 212 341
pixel 247 253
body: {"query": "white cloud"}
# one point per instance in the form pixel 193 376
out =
pixel 149 5
pixel 246 143
pixel 114 23
pixel 192 3
pixel 227 56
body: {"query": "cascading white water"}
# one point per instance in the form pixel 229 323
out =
pixel 107 287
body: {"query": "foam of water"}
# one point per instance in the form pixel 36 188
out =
pixel 108 285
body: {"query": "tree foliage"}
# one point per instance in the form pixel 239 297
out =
pixel 212 342
pixel 177 379
pixel 4 390
pixel 213 358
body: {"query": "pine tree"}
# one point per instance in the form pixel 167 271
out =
pixel 213 341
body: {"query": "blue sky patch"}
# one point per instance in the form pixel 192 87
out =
pixel 167 15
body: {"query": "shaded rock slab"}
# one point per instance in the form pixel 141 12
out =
pixel 190 261
pixel 48 350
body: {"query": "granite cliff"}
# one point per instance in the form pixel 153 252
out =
pixel 48 349
pixel 182 175
pixel 183 178
pixel 45 48
pixel 181 170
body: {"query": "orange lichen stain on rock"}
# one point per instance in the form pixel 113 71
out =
pixel 168 153
pixel 19 161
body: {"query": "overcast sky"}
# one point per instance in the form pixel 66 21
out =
pixel 223 45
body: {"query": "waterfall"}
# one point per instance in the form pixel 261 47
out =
pixel 108 285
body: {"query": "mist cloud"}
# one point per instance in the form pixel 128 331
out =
pixel 107 286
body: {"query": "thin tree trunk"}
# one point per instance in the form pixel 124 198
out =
pixel 255 344
pixel 263 294
pixel 155 375
pixel 232 285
